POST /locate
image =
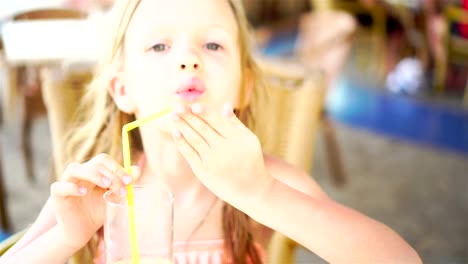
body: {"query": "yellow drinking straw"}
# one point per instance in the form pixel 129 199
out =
pixel 128 168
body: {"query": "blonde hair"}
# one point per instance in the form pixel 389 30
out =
pixel 98 126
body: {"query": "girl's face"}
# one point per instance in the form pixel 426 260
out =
pixel 180 51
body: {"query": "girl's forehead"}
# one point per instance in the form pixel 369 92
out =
pixel 186 14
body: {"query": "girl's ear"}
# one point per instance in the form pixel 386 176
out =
pixel 122 99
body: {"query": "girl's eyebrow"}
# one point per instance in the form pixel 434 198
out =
pixel 206 28
pixel 220 30
pixel 216 31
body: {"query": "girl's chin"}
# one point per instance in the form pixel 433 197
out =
pixel 162 127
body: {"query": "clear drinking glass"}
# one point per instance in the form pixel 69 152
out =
pixel 154 219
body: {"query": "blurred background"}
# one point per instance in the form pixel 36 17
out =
pixel 392 141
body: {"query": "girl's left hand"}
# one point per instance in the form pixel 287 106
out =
pixel 223 153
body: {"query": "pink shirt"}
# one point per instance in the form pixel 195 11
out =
pixel 195 252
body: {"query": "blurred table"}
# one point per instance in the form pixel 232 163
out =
pixel 49 44
pixel 51 41
pixel 64 52
pixel 11 7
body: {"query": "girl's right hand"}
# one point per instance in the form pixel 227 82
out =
pixel 78 197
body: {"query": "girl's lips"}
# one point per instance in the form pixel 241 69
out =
pixel 191 89
pixel 190 95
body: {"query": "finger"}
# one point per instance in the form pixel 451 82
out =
pixel 114 167
pixel 66 189
pixel 114 183
pixel 189 153
pixel 200 126
pixel 227 112
pixel 192 137
pixel 199 110
pixel 136 173
pixel 212 118
pixel 76 172
pixel 221 121
pixel 180 109
pixel 201 118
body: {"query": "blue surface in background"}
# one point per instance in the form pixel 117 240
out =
pixel 281 44
pixel 392 115
pixel 400 117
pixel 3 235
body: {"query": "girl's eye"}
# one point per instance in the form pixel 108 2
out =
pixel 213 46
pixel 160 47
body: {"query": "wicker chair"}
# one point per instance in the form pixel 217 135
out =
pixel 288 124
pixel 62 89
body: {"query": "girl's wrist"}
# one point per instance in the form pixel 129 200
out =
pixel 259 198
pixel 64 245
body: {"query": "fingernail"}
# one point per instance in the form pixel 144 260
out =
pixel 106 181
pixel 135 171
pixel 83 190
pixel 179 108
pixel 123 191
pixel 197 108
pixel 176 134
pixel 228 110
pixel 127 179
pixel 175 117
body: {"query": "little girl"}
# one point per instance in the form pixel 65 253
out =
pixel 193 55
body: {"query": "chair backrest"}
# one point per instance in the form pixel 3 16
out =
pixel 289 127
pixel 62 89
pixel 291 117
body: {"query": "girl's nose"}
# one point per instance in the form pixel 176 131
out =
pixel 189 62
pixel 189 66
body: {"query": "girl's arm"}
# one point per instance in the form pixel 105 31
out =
pixel 295 206
pixel 47 248
pixel 227 158
pixel 73 214
pixel 44 222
